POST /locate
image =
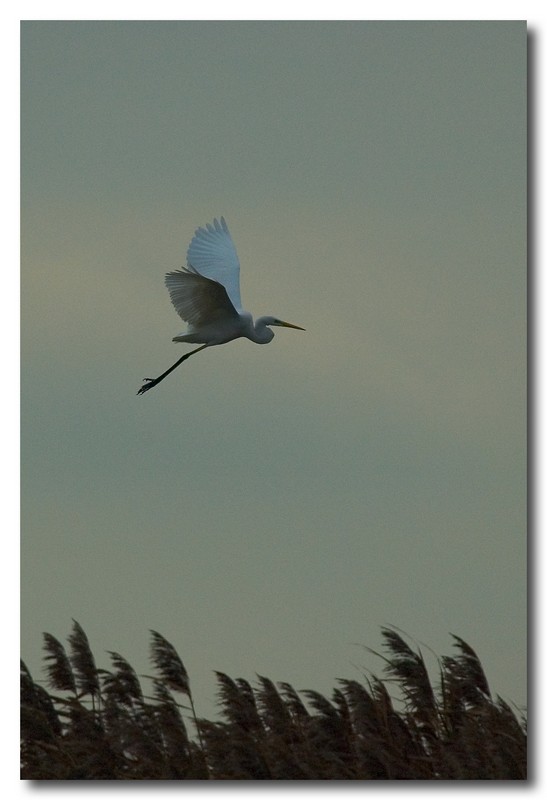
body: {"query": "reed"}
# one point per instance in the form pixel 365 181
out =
pixel 99 724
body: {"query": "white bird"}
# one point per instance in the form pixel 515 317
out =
pixel 206 296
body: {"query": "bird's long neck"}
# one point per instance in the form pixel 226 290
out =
pixel 259 331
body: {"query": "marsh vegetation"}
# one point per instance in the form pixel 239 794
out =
pixel 92 723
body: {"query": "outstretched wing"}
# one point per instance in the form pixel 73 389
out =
pixel 212 253
pixel 197 299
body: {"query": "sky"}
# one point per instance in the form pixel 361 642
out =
pixel 269 509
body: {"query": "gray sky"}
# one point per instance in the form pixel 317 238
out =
pixel 266 508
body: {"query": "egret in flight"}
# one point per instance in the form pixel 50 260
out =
pixel 206 295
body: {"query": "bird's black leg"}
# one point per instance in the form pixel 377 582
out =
pixel 151 382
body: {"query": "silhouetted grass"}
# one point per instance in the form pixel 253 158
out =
pixel 98 724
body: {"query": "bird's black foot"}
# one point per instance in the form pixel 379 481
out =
pixel 146 386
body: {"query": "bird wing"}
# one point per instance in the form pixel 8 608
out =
pixel 212 253
pixel 197 299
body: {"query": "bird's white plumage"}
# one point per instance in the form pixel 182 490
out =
pixel 212 253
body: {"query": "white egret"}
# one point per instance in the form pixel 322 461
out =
pixel 206 296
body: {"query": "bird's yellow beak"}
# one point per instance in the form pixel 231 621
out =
pixel 290 325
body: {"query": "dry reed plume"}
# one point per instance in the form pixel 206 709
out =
pixel 98 724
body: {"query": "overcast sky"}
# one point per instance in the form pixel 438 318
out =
pixel 267 509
